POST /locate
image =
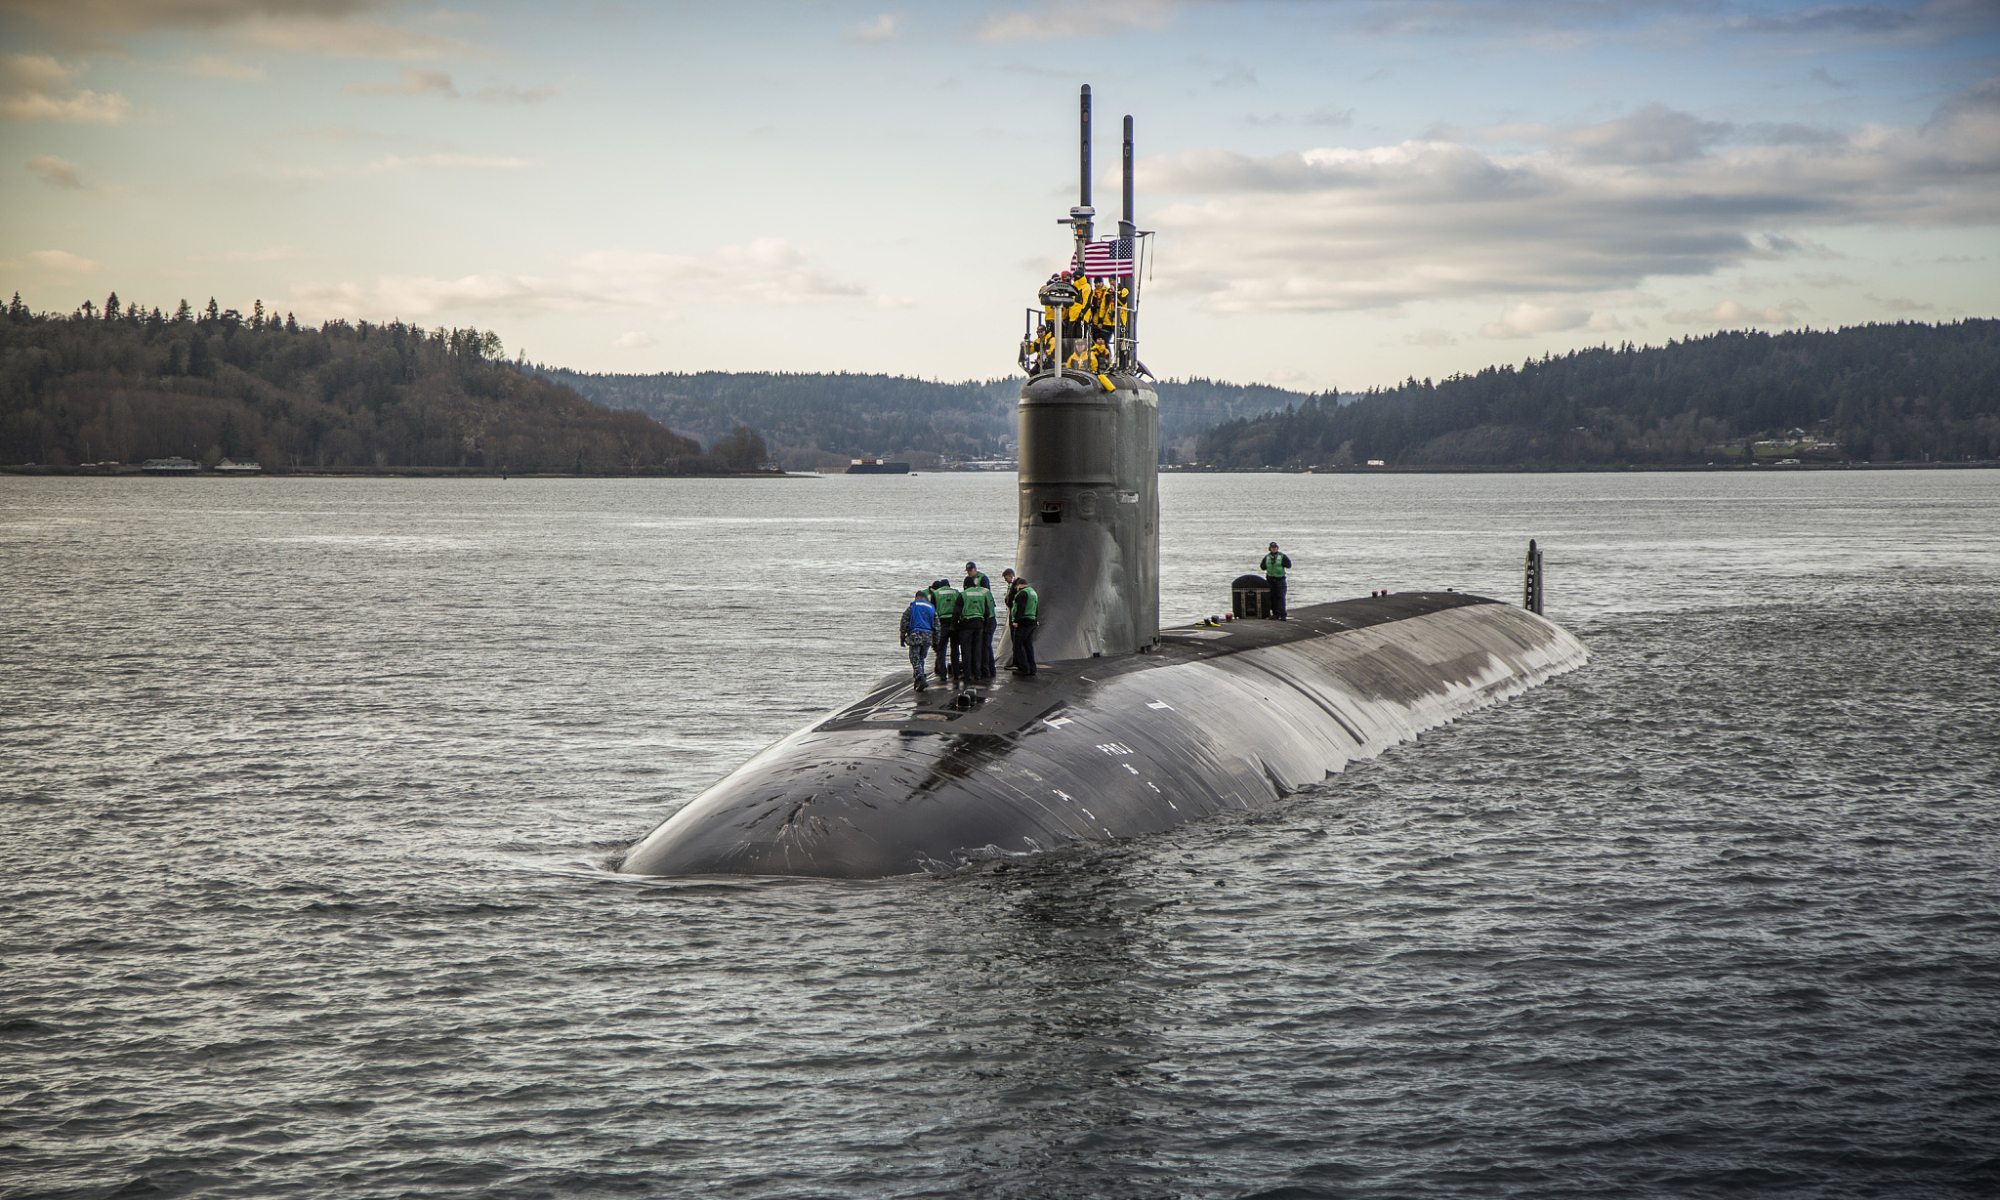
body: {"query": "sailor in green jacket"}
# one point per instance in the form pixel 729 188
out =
pixel 944 598
pixel 1275 566
pixel 975 629
pixel 1024 612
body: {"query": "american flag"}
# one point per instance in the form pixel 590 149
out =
pixel 1108 259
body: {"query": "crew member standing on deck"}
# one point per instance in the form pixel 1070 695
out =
pixel 1275 566
pixel 1023 611
pixel 919 627
pixel 944 598
pixel 983 667
pixel 1005 604
pixel 975 628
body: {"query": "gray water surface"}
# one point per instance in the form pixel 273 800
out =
pixel 311 788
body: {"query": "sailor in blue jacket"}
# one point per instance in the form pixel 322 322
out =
pixel 920 626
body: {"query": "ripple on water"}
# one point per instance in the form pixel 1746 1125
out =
pixel 311 803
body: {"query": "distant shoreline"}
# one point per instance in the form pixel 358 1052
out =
pixel 1576 469
pixel 1588 468
pixel 133 471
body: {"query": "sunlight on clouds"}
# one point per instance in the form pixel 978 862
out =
pixel 474 162
pixel 326 27
pixel 1729 312
pixel 1334 229
pixel 414 83
pixel 1072 20
pixel 768 272
pixel 1524 320
pixel 38 88
pixel 216 67
pixel 348 39
pixel 56 172
pixel 62 260
pixel 881 29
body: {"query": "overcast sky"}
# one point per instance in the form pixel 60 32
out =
pixel 1345 194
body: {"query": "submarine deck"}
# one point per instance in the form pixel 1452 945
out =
pixel 1011 703
pixel 1213 719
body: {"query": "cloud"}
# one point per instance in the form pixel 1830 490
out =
pixel 469 162
pixel 881 29
pixel 514 95
pixel 137 16
pixel 1237 76
pixel 1654 134
pixel 1565 23
pixel 56 172
pixel 1432 337
pixel 415 82
pixel 1597 209
pixel 1928 21
pixel 217 67
pixel 38 88
pixel 62 260
pixel 1067 19
pixel 769 272
pixel 268 254
pixel 349 39
pixel 335 28
pixel 1526 320
pixel 1729 312
pixel 632 339
pixel 1898 304
pixel 1336 118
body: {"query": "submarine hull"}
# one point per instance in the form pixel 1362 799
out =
pixel 1213 720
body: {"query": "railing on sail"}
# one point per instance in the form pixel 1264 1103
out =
pixel 1046 346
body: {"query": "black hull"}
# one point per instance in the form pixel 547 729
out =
pixel 1092 750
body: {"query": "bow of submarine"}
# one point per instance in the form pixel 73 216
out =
pixel 1093 750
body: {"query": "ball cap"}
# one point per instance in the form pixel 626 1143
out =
pixel 1274 545
pixel 971 566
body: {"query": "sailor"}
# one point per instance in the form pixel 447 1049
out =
pixel 975 627
pixel 1005 603
pixel 1275 566
pixel 919 627
pixel 944 598
pixel 1023 611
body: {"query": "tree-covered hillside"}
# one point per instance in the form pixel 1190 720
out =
pixel 822 419
pixel 1902 392
pixel 126 384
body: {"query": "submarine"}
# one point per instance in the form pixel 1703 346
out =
pixel 1127 729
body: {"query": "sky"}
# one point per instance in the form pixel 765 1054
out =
pixel 1343 195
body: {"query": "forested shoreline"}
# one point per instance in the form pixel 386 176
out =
pixel 124 383
pixel 1903 392
pixel 822 419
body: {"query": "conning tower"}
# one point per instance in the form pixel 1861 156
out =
pixel 1090 434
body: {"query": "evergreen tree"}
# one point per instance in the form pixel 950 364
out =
pixel 183 314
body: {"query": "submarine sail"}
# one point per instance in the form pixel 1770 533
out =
pixel 1089 492
pixel 1126 729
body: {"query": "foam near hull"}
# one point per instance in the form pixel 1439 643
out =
pixel 1093 750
